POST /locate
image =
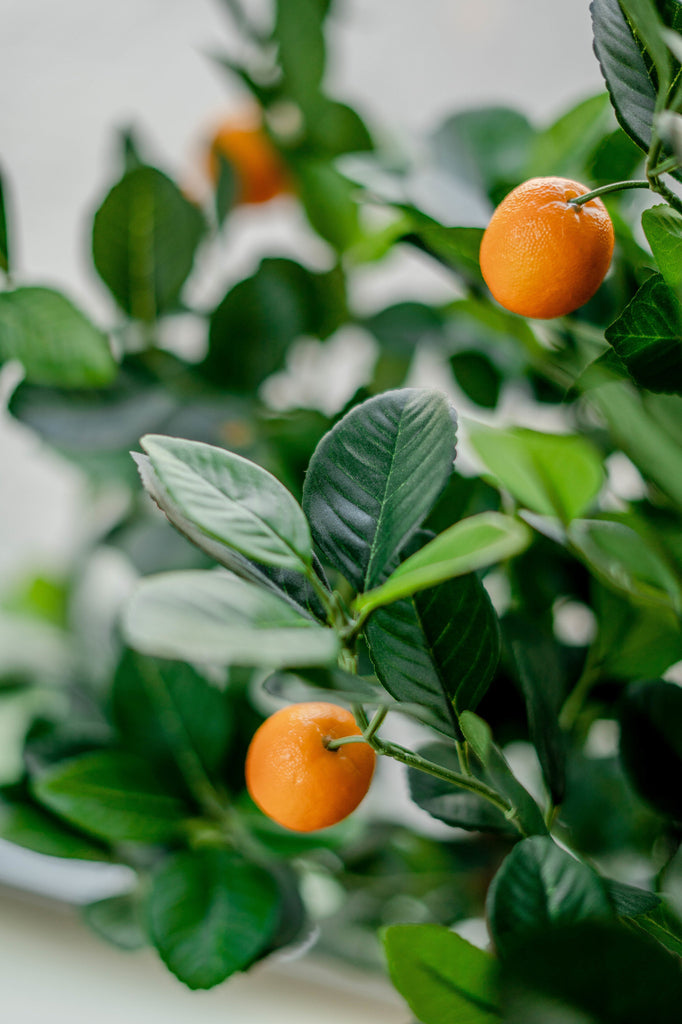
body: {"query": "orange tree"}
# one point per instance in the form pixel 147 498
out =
pixel 520 596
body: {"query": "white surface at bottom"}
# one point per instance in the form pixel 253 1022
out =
pixel 54 969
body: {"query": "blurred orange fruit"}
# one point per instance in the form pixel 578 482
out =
pixel 260 171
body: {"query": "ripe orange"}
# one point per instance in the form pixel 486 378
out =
pixel 542 256
pixel 259 169
pixel 295 779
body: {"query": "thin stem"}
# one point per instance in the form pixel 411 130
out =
pixel 376 723
pixel 615 186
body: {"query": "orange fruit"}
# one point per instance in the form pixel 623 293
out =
pixel 260 172
pixel 542 256
pixel 292 775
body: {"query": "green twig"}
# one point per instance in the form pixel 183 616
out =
pixel 614 186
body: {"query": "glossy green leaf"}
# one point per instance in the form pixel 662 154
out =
pixel 144 238
pixel 624 69
pixel 622 558
pixel 644 18
pixel 537 665
pixel 447 803
pixel 112 795
pixel 373 478
pixel 211 912
pixel 539 884
pixel 647 337
pixel 651 743
pixel 597 969
pixel 442 977
pixel 56 344
pixel 477 376
pixel 31 827
pixel 500 776
pixel 215 617
pixel 171 715
pixel 663 229
pixel 439 648
pixel 473 543
pixel 629 900
pixel 553 474
pixel 118 920
pixel 232 500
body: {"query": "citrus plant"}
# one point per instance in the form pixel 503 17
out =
pixel 492 596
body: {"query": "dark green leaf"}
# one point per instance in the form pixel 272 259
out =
pixel 168 713
pixel 538 885
pixel 442 976
pixel 333 129
pixel 5 263
pixel 634 642
pixel 225 189
pixel 374 477
pixel 651 743
pixel 400 328
pixel 33 828
pixel 629 900
pixel 456 247
pixel 538 667
pixel 232 500
pixel 215 617
pixel 118 920
pixel 57 345
pixel 647 337
pixel 112 795
pixel 439 648
pixel 144 238
pixel 327 198
pixel 662 924
pixel 455 807
pixel 625 72
pixel 500 776
pixel 259 318
pixel 478 377
pixel 600 969
pixel 211 912
pixel 663 229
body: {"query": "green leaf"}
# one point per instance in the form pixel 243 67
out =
pixel 456 247
pixel 374 477
pixel 168 713
pixel 112 795
pixel 538 885
pixel 473 543
pixel 327 198
pixel 34 829
pixel 538 668
pixel 144 238
pixel 644 18
pixel 225 189
pixel 252 328
pixel 622 558
pixel 301 49
pixel 438 649
pixel 629 900
pixel 477 376
pixel 232 500
pixel 553 474
pixel 500 776
pixel 211 912
pixel 651 743
pixel 118 919
pixel 634 428
pixel 56 344
pixel 568 144
pixel 455 807
pixel 443 978
pixel 333 128
pixel 215 617
pixel 647 337
pixel 634 642
pixel 596 968
pixel 662 924
pixel 624 69
pixel 663 229
pixel 486 146
pixel 401 327
pixel 5 263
